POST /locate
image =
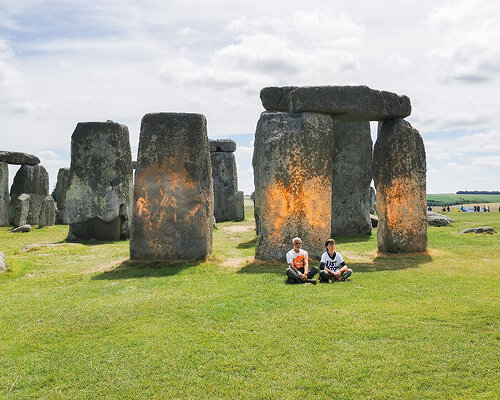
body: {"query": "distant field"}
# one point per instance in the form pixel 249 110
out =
pixel 452 198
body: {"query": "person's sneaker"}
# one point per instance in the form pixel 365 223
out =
pixel 313 281
pixel 345 275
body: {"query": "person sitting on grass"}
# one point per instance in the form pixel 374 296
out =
pixel 332 265
pixel 298 264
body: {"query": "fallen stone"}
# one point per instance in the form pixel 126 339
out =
pixel 479 229
pixel 239 207
pixel 225 185
pixel 374 220
pixel 399 172
pixel 350 103
pixel 4 194
pixel 32 180
pixel 436 219
pixel 173 195
pixel 22 228
pixel 20 207
pixel 352 174
pixel 39 246
pixel 48 212
pixel 3 262
pixel 60 193
pixel 100 181
pixel 222 145
pixel 276 98
pixel 16 158
pixel 292 165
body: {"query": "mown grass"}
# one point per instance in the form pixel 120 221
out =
pixel 453 198
pixel 82 321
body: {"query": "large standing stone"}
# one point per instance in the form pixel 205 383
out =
pixel 239 206
pixel 276 98
pixel 48 212
pixel 32 180
pixel 224 145
pixel 99 195
pixel 352 174
pixel 13 157
pixel 60 193
pixel 173 191
pixel 4 194
pixel 225 184
pixel 20 206
pixel 399 169
pixel 292 164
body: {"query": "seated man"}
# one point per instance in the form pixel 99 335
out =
pixel 332 265
pixel 298 265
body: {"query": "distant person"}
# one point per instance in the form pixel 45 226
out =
pixel 488 208
pixel 430 208
pixel 475 208
pixel 484 208
pixel 443 209
pixel 332 266
pixel 298 264
pixel 448 208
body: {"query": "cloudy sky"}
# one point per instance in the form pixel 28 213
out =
pixel 62 62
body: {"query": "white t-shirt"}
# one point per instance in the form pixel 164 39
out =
pixel 332 264
pixel 298 259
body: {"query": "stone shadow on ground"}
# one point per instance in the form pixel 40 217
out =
pixel 145 269
pixel 247 245
pixel 383 262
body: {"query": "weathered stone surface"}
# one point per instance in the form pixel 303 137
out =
pixel 3 262
pixel 4 194
pixel 20 206
pixel 350 103
pixel 48 212
pixel 374 220
pixel 399 169
pixel 239 206
pixel 225 183
pixel 437 219
pixel 173 191
pixel 22 229
pixel 100 180
pixel 222 145
pixel 373 199
pixel 276 98
pixel 32 180
pixel 479 229
pixel 60 193
pixel 13 157
pixel 352 174
pixel 292 164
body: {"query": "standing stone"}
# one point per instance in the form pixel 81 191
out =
pixel 292 164
pixel 225 181
pixel 352 174
pixel 99 194
pixel 60 192
pixel 399 169
pixel 20 207
pixel 240 207
pixel 32 180
pixel 222 145
pixel 48 213
pixel 4 194
pixel 173 191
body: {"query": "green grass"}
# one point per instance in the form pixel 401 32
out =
pixel 82 321
pixel 453 198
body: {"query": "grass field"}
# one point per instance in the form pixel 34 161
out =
pixel 81 321
pixel 453 198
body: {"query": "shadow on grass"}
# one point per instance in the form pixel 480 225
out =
pixel 383 262
pixel 145 269
pixel 247 245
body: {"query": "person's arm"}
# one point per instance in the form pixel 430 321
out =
pixel 342 269
pixel 306 264
pixel 300 274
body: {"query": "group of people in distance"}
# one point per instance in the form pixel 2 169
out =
pixel 332 267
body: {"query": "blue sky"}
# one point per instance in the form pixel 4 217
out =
pixel 62 62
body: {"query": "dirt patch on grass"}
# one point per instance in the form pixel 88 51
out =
pixel 106 267
pixel 238 228
pixel 236 262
